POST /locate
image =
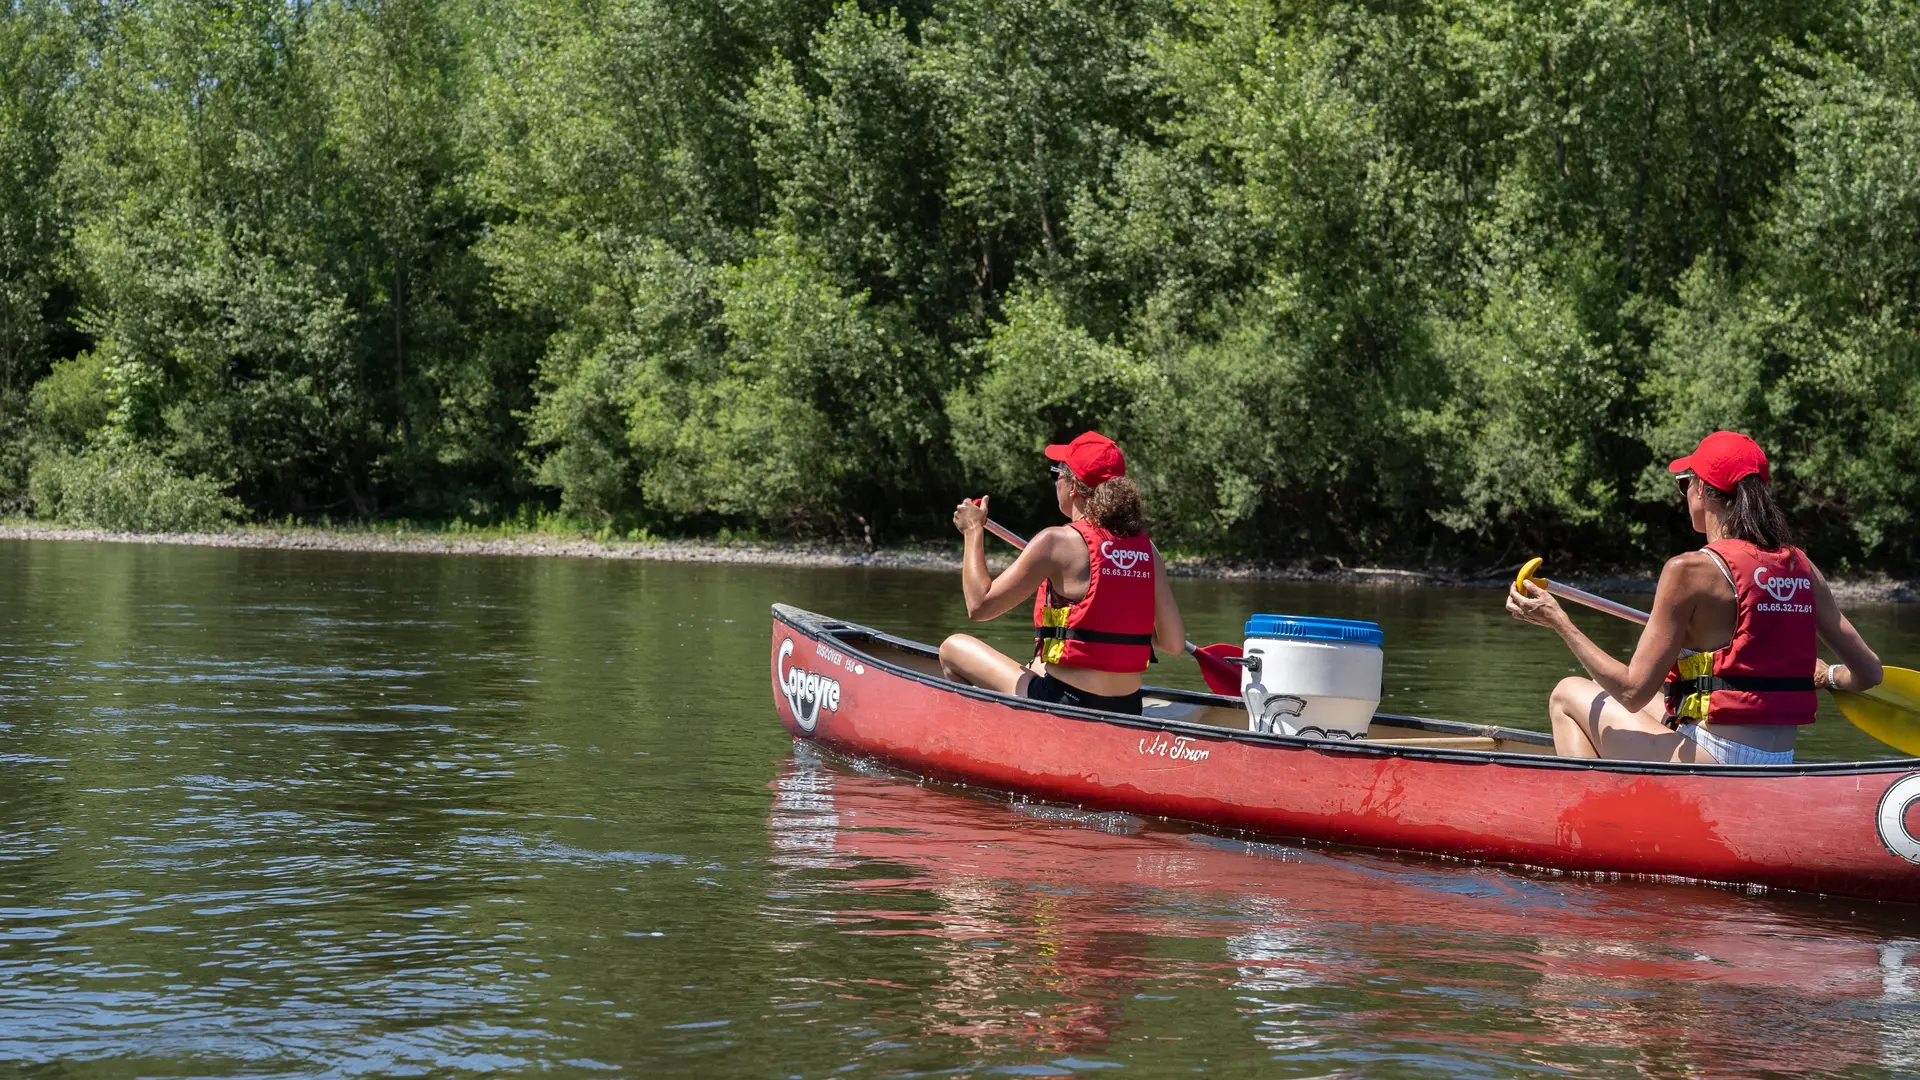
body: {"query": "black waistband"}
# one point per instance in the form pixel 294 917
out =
pixel 1060 692
pixel 1096 637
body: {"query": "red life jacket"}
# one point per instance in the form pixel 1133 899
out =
pixel 1765 674
pixel 1110 628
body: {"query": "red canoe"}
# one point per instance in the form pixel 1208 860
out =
pixel 1468 791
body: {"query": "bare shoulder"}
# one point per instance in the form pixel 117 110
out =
pixel 1060 542
pixel 1690 572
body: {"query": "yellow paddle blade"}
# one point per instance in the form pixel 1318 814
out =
pixel 1889 712
pixel 1897 727
pixel 1899 686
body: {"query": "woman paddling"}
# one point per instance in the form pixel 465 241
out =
pixel 1748 605
pixel 1102 606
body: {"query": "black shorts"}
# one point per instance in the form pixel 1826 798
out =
pixel 1053 691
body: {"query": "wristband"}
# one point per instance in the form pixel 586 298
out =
pixel 1833 675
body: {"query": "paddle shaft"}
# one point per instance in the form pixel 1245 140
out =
pixel 1598 603
pixel 1006 534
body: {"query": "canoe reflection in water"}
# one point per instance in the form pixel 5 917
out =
pixel 1074 963
pixel 1058 931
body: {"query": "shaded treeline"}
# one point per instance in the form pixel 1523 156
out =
pixel 1416 280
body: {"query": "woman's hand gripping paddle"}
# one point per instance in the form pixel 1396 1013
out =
pixel 1889 712
pixel 1216 661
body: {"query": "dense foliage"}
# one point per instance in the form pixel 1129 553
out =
pixel 1418 279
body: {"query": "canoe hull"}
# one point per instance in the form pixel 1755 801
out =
pixel 1845 829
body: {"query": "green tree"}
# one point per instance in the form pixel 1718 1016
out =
pixel 1044 380
pixel 616 143
pixel 1817 348
pixel 38 47
pixel 1458 275
pixel 276 241
pixel 1037 97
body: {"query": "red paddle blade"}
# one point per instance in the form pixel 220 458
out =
pixel 1222 677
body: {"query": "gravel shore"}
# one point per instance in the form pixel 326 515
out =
pixel 1877 589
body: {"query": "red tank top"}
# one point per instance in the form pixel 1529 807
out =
pixel 1765 674
pixel 1110 628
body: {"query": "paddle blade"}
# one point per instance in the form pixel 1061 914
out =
pixel 1897 727
pixel 1889 712
pixel 1529 570
pixel 1899 686
pixel 1222 677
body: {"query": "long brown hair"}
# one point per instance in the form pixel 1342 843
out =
pixel 1115 506
pixel 1751 514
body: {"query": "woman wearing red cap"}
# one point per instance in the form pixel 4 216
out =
pixel 1725 670
pixel 1102 602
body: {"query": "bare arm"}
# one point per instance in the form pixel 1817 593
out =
pixel 1632 684
pixel 989 597
pixel 1863 671
pixel 1169 630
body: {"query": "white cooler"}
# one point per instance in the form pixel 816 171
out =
pixel 1316 678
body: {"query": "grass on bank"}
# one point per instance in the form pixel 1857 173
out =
pixel 120 487
pixel 533 525
pixel 527 523
pixel 123 489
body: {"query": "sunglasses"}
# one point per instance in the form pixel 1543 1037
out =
pixel 1685 480
pixel 1060 471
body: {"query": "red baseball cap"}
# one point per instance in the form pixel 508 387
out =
pixel 1723 459
pixel 1093 457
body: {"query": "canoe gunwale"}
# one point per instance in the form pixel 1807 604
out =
pixel 847 636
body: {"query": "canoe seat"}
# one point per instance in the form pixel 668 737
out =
pixel 1443 742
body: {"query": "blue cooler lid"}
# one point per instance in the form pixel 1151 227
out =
pixel 1308 628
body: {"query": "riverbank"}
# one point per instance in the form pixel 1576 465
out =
pixel 1866 589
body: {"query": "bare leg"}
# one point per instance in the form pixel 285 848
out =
pixel 1589 723
pixel 1568 707
pixel 966 659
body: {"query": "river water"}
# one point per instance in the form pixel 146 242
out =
pixel 321 814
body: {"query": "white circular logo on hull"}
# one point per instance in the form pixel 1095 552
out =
pixel 1892 818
